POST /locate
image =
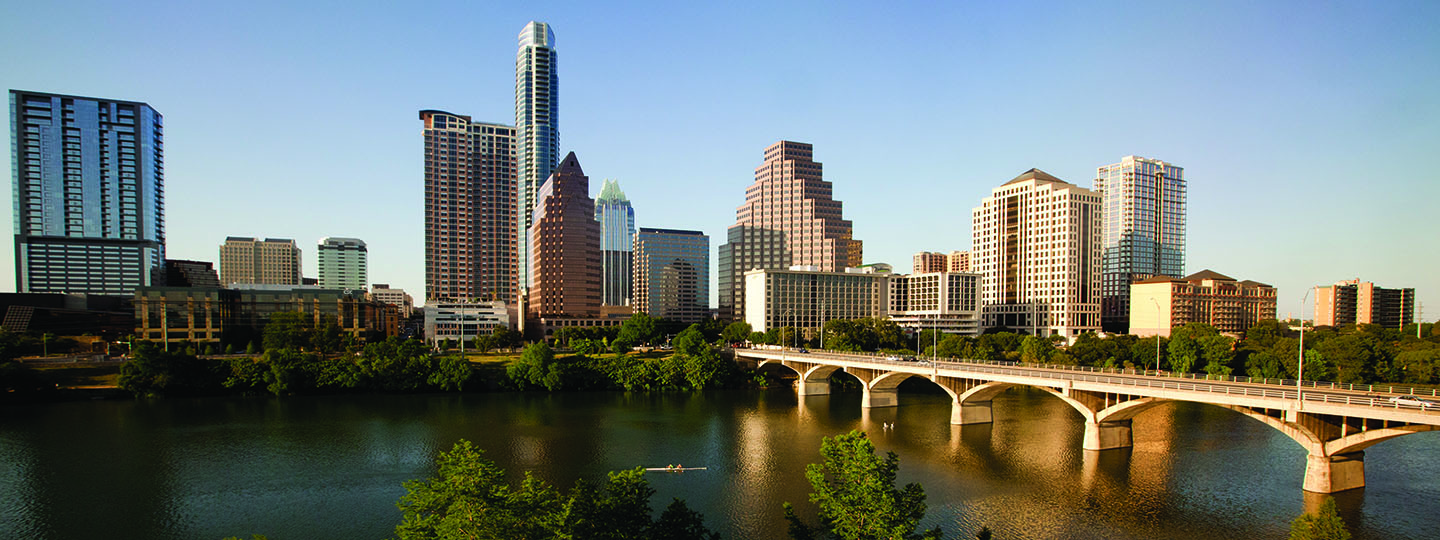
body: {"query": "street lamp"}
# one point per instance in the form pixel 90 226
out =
pixel 1300 374
pixel 1157 335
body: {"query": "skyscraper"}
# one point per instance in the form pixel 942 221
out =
pixel 789 218
pixel 470 211
pixel 273 261
pixel 1037 249
pixel 344 263
pixel 537 126
pixel 672 274
pixel 565 242
pixel 1143 204
pixel 617 238
pixel 89 193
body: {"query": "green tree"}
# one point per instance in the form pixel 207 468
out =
pixel 152 371
pixel 854 491
pixel 639 329
pixel 679 522
pixel 536 367
pixel 1264 365
pixel 450 374
pixel 1218 352
pixel 1324 525
pixel 1183 352
pixel 288 330
pixel 736 332
pixel 1036 350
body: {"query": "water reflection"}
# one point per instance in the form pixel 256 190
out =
pixel 333 467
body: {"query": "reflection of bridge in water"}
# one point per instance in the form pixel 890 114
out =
pixel 1334 425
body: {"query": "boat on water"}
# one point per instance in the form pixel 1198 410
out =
pixel 674 469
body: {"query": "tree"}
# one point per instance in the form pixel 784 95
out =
pixel 152 371
pixel 469 498
pixel 1324 525
pixel 288 330
pixel 855 493
pixel 1183 351
pixel 639 329
pixel 1218 351
pixel 701 364
pixel 1035 350
pixel 736 332
pixel 536 367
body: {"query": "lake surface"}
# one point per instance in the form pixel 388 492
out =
pixel 332 467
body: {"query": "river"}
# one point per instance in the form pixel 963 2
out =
pixel 305 468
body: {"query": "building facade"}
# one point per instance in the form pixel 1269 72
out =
pixel 238 317
pixel 463 322
pixel 1037 246
pixel 404 304
pixel 957 261
pixel 617 244
pixel 565 241
pixel 1361 302
pixel 1161 303
pixel 944 301
pixel 272 261
pixel 537 128
pixel 790 217
pixel 344 263
pixel 1143 208
pixel 181 273
pixel 88 177
pixel 805 297
pixel 926 262
pixel 470 209
pixel 672 274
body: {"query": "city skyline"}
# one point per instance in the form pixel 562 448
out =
pixel 1280 130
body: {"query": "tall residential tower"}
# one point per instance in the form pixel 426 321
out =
pixel 537 127
pixel 470 235
pixel 617 238
pixel 1143 204
pixel 789 218
pixel 88 176
pixel 1037 249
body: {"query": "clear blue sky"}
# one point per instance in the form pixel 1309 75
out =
pixel 1308 130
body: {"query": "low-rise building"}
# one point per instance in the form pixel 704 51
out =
pixel 238 316
pixel 1161 303
pixel 464 321
pixel 1361 302
pixel 382 292
pixel 945 301
pixel 805 298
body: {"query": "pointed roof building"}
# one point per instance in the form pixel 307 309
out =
pixel 565 246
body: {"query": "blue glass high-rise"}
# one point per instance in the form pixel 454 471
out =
pixel 1143 212
pixel 89 193
pixel 617 237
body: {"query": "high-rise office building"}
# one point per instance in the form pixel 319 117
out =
pixel 470 212
pixel 565 242
pixel 250 261
pixel 789 218
pixel 1143 208
pixel 617 239
pixel 537 126
pixel 1361 302
pixel 1037 247
pixel 344 263
pixel 88 177
pixel 672 274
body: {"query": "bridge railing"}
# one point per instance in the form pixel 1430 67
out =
pixel 1280 388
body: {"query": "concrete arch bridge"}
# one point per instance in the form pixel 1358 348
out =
pixel 1334 425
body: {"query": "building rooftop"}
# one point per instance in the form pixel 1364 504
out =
pixel 610 191
pixel 1037 175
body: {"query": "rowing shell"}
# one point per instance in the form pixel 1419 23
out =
pixel 674 469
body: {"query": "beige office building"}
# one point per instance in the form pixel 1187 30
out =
pixel 805 297
pixel 272 261
pixel 1361 302
pixel 1161 303
pixel 790 217
pixel 1037 245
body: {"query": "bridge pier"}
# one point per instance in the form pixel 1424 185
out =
pixel 971 412
pixel 1330 474
pixel 1107 435
pixel 879 397
pixel 812 388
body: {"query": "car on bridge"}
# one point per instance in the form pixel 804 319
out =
pixel 1415 401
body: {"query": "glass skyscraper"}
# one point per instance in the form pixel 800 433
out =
pixel 537 128
pixel 1143 234
pixel 89 193
pixel 617 236
pixel 672 274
